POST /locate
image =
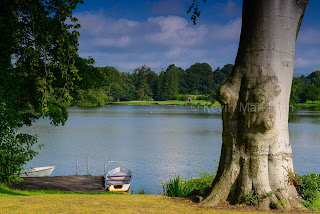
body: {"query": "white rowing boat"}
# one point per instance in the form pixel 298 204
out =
pixel 118 180
pixel 37 172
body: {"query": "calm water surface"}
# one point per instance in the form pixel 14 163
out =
pixel 157 142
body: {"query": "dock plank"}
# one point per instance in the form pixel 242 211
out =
pixel 63 183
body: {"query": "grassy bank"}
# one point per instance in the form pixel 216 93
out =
pixel 168 103
pixel 299 106
pixel 309 105
pixel 13 201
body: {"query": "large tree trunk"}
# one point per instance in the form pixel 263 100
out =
pixel 256 151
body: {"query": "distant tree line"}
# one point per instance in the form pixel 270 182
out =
pixel 305 88
pixel 99 85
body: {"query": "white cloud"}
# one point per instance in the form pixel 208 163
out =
pixel 97 24
pixel 176 31
pixel 228 32
pixel 177 53
pixel 156 42
pixel 112 42
pixel 88 21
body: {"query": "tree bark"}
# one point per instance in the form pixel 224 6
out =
pixel 256 151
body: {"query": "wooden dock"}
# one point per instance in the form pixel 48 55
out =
pixel 81 183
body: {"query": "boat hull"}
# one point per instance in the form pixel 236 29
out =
pixel 119 188
pixel 37 172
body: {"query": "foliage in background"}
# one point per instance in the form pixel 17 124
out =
pixel 197 82
pixel 168 83
pixel 145 81
pixel 305 88
pixel 176 83
pixel 93 98
pixel 200 79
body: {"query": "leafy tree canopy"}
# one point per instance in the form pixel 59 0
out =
pixel 315 78
pixel 37 48
pixel 200 78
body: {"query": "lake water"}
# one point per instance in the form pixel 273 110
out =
pixel 157 142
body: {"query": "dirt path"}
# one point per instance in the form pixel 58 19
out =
pixel 63 183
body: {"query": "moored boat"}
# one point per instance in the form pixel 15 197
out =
pixel 118 179
pixel 37 172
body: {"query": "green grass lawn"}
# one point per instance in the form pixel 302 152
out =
pixel 314 102
pixel 16 201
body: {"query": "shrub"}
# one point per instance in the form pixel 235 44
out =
pixel 202 97
pixel 292 178
pixel 212 100
pixel 308 187
pixel 93 98
pixel 254 199
pixel 182 97
pixel 16 150
pixel 178 187
pixel 205 180
pixel 316 202
pixel 251 199
pixel 309 190
pixel 212 97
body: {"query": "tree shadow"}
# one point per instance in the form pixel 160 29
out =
pixel 6 191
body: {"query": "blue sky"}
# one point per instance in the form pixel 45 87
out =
pixel 130 33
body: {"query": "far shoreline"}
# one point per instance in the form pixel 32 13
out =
pixel 167 103
pixel 197 103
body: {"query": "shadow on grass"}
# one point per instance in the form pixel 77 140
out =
pixel 4 190
pixel 7 191
pixel 52 192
